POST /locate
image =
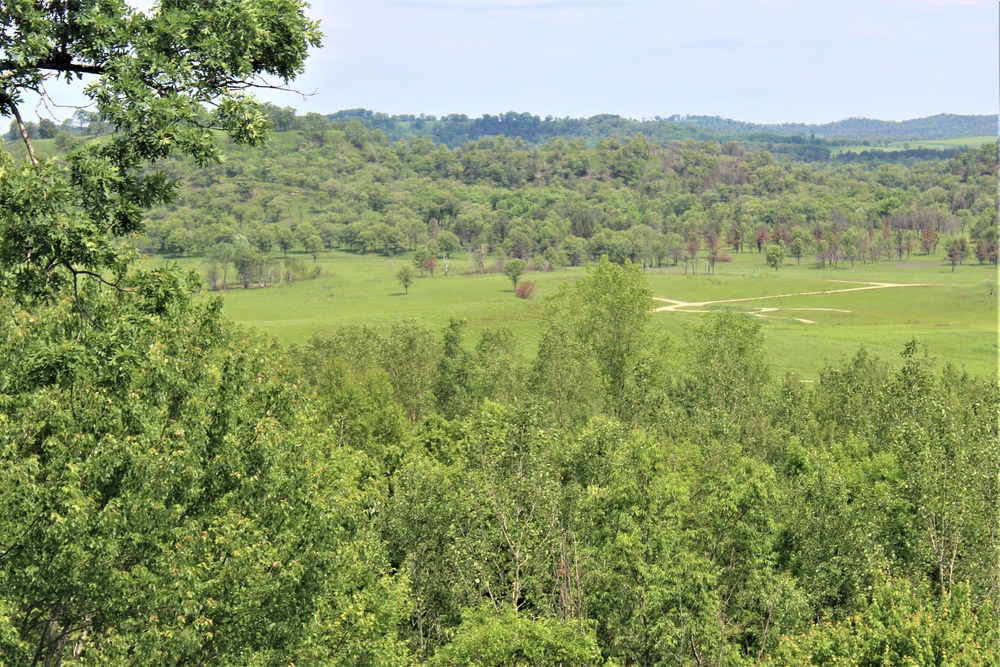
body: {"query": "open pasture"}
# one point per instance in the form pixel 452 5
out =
pixel 960 142
pixel 811 316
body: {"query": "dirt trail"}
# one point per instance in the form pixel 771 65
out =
pixel 692 306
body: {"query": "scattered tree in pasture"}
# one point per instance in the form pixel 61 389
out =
pixel 712 258
pixel 775 255
pixel 798 248
pixel 691 249
pixel 514 269
pixel 957 250
pixel 928 240
pixel 223 254
pixel 284 237
pixel 986 238
pixel 823 251
pixel 419 255
pixel 762 237
pixel 406 276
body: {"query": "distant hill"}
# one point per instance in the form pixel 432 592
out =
pixel 806 142
pixel 941 126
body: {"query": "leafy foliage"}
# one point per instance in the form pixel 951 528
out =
pixel 176 491
pixel 164 81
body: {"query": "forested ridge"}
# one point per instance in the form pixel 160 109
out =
pixel 941 126
pixel 456 129
pixel 175 490
pixel 344 186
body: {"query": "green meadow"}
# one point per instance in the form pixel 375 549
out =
pixel 808 319
pixel 960 142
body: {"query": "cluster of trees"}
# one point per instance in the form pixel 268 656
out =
pixel 255 265
pixel 566 204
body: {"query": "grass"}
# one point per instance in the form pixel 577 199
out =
pixel 952 313
pixel 960 142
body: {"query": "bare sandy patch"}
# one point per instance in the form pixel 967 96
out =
pixel 698 306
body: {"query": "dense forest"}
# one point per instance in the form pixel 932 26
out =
pixel 181 490
pixel 334 185
pixel 941 126
pixel 175 490
pixel 804 141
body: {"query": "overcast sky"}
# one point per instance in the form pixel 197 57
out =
pixel 811 61
pixel 807 61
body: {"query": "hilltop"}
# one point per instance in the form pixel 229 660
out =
pixel 457 129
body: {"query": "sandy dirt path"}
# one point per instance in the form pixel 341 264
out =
pixel 694 306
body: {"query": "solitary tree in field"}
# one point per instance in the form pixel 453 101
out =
pixel 514 269
pixel 419 255
pixel 775 255
pixel 406 275
pixel 822 249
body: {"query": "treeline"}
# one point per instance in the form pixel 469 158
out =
pixel 454 130
pixel 178 491
pixel 321 187
pixel 906 156
pixel 941 126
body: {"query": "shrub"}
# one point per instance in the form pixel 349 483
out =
pixel 524 289
pixel 724 257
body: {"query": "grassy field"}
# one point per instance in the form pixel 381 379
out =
pixel 962 142
pixel 951 312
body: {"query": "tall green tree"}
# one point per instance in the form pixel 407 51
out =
pixel 405 276
pixel 165 80
pixel 514 269
pixel 608 310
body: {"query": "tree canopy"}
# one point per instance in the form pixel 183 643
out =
pixel 164 80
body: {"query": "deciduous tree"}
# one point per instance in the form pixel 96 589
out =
pixel 514 269
pixel 406 276
pixel 164 80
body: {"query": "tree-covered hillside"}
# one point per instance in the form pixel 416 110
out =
pixel 456 129
pixel 941 126
pixel 326 186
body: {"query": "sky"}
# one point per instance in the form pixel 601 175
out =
pixel 810 61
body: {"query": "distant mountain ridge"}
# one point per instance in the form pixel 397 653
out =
pixel 801 139
pixel 941 126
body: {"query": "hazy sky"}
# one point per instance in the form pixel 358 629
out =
pixel 810 61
